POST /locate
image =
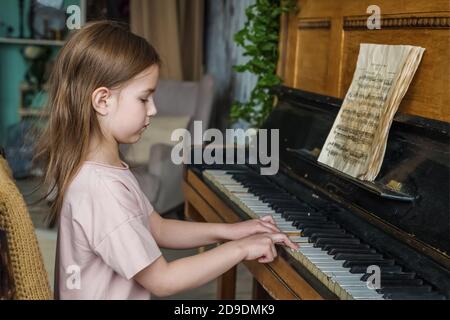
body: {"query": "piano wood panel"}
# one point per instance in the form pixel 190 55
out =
pixel 312 50
pixel 278 278
pixel 322 58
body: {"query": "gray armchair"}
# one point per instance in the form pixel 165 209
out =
pixel 160 178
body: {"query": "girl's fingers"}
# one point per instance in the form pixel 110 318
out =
pixel 283 239
pixel 271 227
pixel 268 218
pixel 264 229
pixel 267 257
pixel 274 251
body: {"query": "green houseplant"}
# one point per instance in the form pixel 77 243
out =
pixel 259 38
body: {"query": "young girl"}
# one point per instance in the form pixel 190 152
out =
pixel 101 95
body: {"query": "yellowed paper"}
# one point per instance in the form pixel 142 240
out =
pixel 357 140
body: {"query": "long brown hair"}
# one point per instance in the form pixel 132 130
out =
pixel 101 54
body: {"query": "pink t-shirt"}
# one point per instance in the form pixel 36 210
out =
pixel 104 236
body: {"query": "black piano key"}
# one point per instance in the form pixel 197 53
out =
pixel 350 250
pixel 363 269
pixel 290 217
pixel 366 263
pixel 306 218
pixel 400 282
pixel 287 202
pixel 320 242
pixel 301 213
pixel 305 208
pixel 305 223
pixel 261 190
pixel 309 231
pixel 298 209
pixel 261 193
pixel 283 208
pixel 329 247
pixel 411 296
pixel 291 205
pixel 315 236
pixel 405 289
pixel 264 189
pixel 391 276
pixel 279 196
pixel 255 182
pixel 357 256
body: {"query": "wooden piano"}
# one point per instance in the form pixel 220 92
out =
pixel 400 222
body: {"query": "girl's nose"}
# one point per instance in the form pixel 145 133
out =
pixel 152 109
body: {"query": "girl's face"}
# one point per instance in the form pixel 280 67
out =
pixel 132 106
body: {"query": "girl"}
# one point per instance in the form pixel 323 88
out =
pixel 101 95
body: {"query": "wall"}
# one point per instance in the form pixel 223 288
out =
pixel 12 65
pixel 223 19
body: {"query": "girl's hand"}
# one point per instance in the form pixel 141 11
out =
pixel 247 228
pixel 262 246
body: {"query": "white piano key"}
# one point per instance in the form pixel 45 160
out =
pixel 353 284
pixel 332 271
pixel 314 251
pixel 228 181
pixel 215 172
pixel 343 278
pixel 319 259
pixel 256 206
pixel 299 239
pixel 334 263
pixel 303 245
pixel 281 220
pixel 271 211
pixel 225 179
pixel 361 293
pixel 243 196
pixel 253 202
pixel 236 188
pixel 283 223
pixel 289 229
pixel 252 208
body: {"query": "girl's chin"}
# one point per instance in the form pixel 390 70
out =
pixel 132 139
pixel 136 138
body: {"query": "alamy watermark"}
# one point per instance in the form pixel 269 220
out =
pixel 374 20
pixel 259 142
pixel 73 280
pixel 73 21
pixel 374 280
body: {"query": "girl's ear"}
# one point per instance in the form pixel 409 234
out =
pixel 99 100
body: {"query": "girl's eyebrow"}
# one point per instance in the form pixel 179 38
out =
pixel 149 90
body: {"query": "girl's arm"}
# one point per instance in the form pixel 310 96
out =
pixel 164 278
pixel 175 234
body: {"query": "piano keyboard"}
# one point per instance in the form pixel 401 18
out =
pixel 333 255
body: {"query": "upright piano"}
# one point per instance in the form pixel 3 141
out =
pixel 400 222
pixel 347 229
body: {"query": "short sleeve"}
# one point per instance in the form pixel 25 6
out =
pixel 118 227
pixel 129 248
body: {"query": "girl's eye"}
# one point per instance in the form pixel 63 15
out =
pixel 144 100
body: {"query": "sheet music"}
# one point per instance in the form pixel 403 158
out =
pixel 357 140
